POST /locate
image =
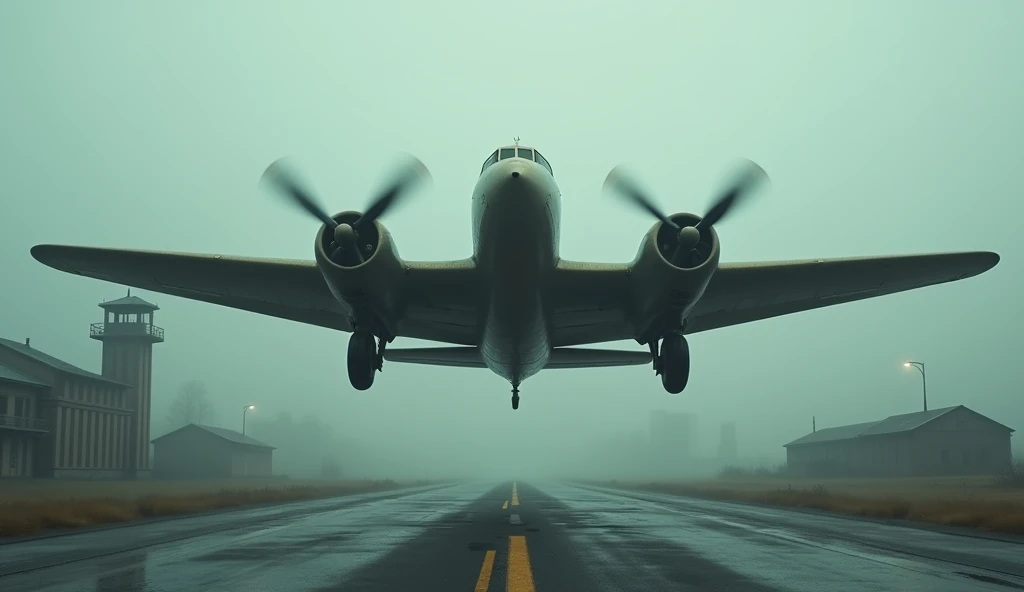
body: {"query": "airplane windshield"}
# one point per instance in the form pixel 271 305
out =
pixel 513 152
pixel 491 160
pixel 544 163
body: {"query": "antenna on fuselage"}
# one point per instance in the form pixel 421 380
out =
pixel 517 141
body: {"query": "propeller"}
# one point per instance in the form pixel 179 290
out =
pixel 344 247
pixel 687 237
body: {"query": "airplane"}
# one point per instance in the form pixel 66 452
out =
pixel 515 306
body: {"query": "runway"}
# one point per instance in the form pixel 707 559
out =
pixel 514 536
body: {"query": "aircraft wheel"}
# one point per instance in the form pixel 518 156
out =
pixel 362 360
pixel 675 363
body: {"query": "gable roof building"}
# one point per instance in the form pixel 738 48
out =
pixel 199 451
pixel 56 364
pixel 59 420
pixel 947 441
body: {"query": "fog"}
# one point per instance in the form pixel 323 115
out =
pixel 886 128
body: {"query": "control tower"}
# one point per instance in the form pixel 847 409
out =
pixel 128 335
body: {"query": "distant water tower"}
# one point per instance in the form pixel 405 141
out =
pixel 128 335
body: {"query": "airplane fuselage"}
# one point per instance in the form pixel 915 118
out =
pixel 516 220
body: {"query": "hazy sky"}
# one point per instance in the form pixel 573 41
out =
pixel 886 128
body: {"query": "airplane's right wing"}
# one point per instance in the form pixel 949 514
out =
pixel 745 292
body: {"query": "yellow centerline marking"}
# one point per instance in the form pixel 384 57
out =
pixel 485 573
pixel 504 506
pixel 515 495
pixel 520 576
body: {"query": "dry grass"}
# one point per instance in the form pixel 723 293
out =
pixel 975 502
pixel 32 507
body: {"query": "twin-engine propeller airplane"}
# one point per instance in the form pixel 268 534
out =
pixel 515 306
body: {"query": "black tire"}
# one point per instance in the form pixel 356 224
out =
pixel 675 363
pixel 362 360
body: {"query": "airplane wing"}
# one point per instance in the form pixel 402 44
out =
pixel 592 303
pixel 438 293
pixel 745 292
pixel 598 308
pixel 561 357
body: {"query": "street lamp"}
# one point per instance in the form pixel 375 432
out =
pixel 247 409
pixel 924 380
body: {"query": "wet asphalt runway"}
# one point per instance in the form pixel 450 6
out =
pixel 515 537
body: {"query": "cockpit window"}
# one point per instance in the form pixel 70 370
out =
pixel 491 160
pixel 525 153
pixel 544 163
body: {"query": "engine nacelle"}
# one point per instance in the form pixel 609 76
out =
pixel 666 285
pixel 369 289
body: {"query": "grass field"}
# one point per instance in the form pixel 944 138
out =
pixel 975 502
pixel 35 506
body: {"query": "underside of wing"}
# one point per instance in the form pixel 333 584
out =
pixel 580 357
pixel 745 292
pixel 283 288
pixel 561 357
pixel 442 302
pixel 589 303
pixel 462 357
pixel 439 301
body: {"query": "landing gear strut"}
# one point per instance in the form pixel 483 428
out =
pixel 673 362
pixel 364 359
pixel 515 396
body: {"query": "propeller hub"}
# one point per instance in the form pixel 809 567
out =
pixel 689 236
pixel 345 235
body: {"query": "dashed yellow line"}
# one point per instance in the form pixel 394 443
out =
pixel 484 580
pixel 504 506
pixel 515 495
pixel 520 576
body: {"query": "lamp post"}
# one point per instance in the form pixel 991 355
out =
pixel 247 409
pixel 924 380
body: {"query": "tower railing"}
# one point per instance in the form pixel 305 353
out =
pixel 126 329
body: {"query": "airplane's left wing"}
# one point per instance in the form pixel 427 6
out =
pixel 593 299
pixel 745 292
pixel 284 288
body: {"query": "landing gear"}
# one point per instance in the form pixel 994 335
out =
pixel 364 359
pixel 673 363
pixel 515 396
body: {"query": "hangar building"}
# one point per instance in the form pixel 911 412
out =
pixel 204 452
pixel 948 441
